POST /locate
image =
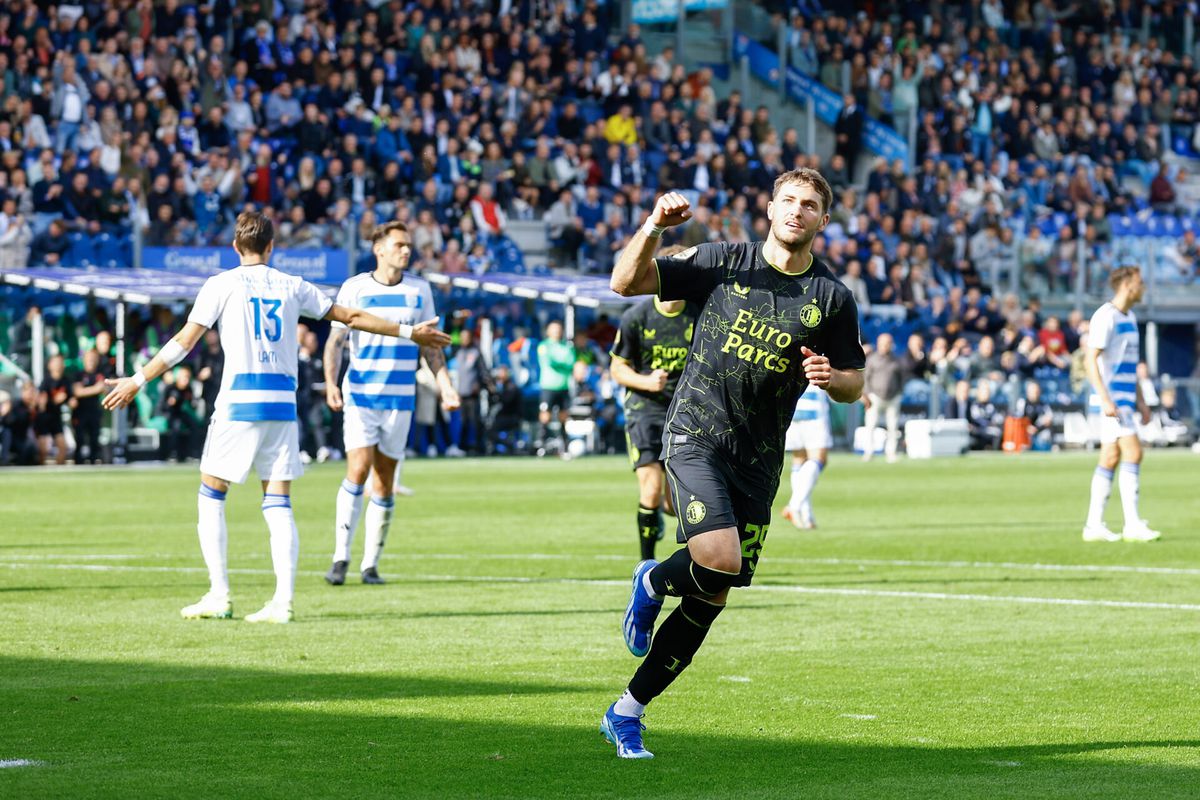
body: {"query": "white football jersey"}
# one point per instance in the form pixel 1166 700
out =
pixel 1115 332
pixel 383 369
pixel 255 309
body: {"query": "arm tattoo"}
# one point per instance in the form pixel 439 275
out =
pixel 435 358
pixel 333 354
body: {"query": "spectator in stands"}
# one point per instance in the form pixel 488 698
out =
pixel 310 395
pixel 15 236
pixel 984 419
pixel 54 394
pixel 87 388
pixel 959 404
pixel 50 246
pixel 884 386
pixel 1186 255
pixel 1162 192
pixel 177 403
pixel 18 444
pixel 504 413
pixel 471 378
pixel 211 365
pixel 915 360
pixel 848 132
pixel 489 217
pixel 1037 416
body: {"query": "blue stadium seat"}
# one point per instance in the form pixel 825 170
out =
pixel 591 112
pixel 81 252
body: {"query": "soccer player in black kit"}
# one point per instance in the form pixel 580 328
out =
pixel 774 320
pixel 647 359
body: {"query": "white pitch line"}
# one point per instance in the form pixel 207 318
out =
pixel 882 562
pixel 12 763
pixel 832 562
pixel 773 588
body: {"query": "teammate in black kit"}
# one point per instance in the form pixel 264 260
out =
pixel 774 320
pixel 647 359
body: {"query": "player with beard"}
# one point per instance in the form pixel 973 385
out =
pixel 774 319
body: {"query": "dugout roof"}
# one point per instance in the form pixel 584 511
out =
pixel 146 286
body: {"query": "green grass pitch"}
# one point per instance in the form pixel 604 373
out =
pixel 945 633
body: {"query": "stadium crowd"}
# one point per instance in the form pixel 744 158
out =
pixel 1039 125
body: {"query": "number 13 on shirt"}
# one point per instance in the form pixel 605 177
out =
pixel 275 329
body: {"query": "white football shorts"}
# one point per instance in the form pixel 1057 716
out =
pixel 386 429
pixel 1118 427
pixel 811 434
pixel 271 447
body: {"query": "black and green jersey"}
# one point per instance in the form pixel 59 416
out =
pixel 651 339
pixel 744 373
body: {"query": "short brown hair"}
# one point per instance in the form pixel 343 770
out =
pixel 254 232
pixel 806 176
pixel 1121 274
pixel 381 231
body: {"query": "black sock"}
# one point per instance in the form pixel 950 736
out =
pixel 675 643
pixel 679 576
pixel 649 524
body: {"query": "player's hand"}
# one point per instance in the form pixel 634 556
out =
pixel 657 381
pixel 427 334
pixel 124 390
pixel 1144 410
pixel 1108 407
pixel 450 400
pixel 816 368
pixel 333 398
pixel 671 209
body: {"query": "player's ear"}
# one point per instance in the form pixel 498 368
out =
pixel 824 222
pixel 771 210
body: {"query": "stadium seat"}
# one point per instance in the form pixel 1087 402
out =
pixel 81 252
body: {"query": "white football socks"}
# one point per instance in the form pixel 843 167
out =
pixel 378 521
pixel 1101 487
pixel 285 544
pixel 804 480
pixel 626 706
pixel 210 527
pixel 349 509
pixel 1127 482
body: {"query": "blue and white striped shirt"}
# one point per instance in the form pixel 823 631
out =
pixel 255 308
pixel 1115 334
pixel 813 406
pixel 383 369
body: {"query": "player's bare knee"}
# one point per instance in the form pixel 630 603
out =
pixel 358 465
pixel 717 550
pixel 1110 457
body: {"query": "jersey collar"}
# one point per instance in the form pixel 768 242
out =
pixel 812 259
pixel 381 283
pixel 658 307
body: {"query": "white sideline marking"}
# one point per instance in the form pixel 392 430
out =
pixel 866 562
pixel 20 762
pixel 734 678
pixel 882 562
pixel 823 590
pixel 859 716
